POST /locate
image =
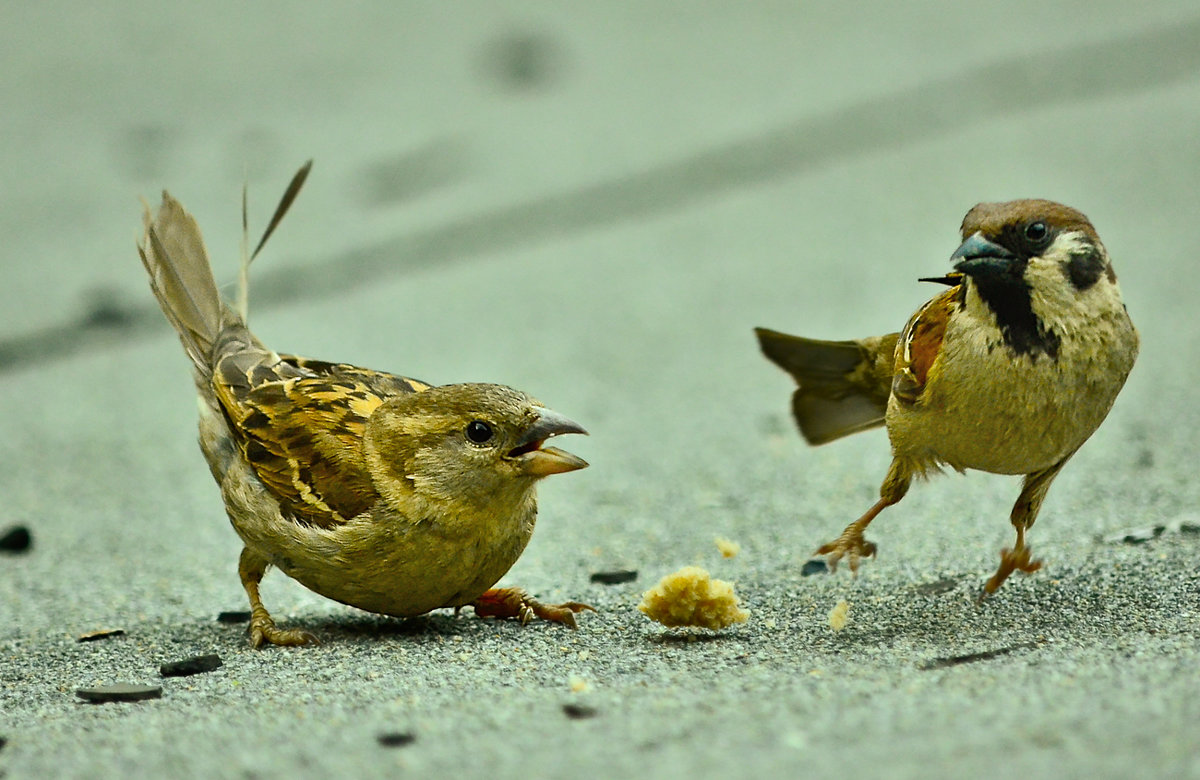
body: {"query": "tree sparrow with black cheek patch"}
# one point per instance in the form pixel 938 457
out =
pixel 1008 371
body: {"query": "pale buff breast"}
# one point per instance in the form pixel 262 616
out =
pixel 984 409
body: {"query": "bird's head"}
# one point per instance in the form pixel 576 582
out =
pixel 475 444
pixel 1038 266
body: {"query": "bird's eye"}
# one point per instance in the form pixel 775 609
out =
pixel 1036 231
pixel 479 432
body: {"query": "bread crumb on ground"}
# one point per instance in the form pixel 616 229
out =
pixel 728 547
pixel 689 597
pixel 839 615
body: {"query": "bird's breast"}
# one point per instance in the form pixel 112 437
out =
pixel 374 562
pixel 986 407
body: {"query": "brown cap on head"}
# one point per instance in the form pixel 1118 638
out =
pixel 991 219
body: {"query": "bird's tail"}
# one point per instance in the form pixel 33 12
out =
pixel 285 203
pixel 181 278
pixel 843 385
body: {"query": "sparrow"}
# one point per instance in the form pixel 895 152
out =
pixel 1008 371
pixel 376 490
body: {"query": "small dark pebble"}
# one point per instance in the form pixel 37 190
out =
pixel 613 577
pixel 119 692
pixel 104 633
pixel 16 539
pixel 233 617
pixel 1137 535
pixel 189 666
pixel 1187 524
pixel 397 738
pixel 3 742
pixel 579 711
pixel 814 566
pixel 937 587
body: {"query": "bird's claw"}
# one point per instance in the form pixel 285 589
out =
pixel 514 603
pixel 264 632
pixel 1018 559
pixel 853 547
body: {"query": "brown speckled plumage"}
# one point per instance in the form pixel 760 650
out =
pixel 376 490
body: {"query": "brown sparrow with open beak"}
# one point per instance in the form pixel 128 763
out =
pixel 376 490
pixel 1008 371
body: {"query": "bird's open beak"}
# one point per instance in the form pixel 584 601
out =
pixel 536 460
pixel 979 257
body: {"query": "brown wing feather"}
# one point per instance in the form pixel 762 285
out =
pixel 300 425
pixel 920 343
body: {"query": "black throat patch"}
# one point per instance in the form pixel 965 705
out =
pixel 1007 295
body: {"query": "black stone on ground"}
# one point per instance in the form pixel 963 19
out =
pixel 102 694
pixel 189 666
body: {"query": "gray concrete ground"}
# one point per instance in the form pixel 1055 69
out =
pixel 595 203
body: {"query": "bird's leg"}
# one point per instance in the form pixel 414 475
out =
pixel 851 542
pixel 516 603
pixel 251 568
pixel 1024 513
pixel 1019 558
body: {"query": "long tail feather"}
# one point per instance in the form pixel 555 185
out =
pixel 243 288
pixel 172 250
pixel 281 210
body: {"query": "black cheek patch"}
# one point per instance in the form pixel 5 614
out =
pixel 1085 269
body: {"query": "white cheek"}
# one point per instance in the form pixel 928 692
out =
pixel 1056 301
pixel 1051 292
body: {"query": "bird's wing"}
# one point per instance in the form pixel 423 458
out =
pixel 920 343
pixel 300 424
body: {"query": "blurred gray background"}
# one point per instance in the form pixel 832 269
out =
pixel 596 203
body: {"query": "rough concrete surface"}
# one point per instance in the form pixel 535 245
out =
pixel 596 203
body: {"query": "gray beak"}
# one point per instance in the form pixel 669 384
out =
pixel 538 461
pixel 980 257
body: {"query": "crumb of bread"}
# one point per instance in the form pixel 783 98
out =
pixel 689 597
pixel 839 615
pixel 728 547
pixel 577 684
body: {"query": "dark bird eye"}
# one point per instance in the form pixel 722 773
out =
pixel 478 431
pixel 1036 231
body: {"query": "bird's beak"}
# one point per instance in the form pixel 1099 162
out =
pixel 979 256
pixel 535 460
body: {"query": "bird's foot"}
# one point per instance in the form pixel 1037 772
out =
pixel 263 631
pixel 1017 559
pixel 850 545
pixel 516 603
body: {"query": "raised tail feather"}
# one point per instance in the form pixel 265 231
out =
pixel 173 253
pixel 843 385
pixel 181 277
